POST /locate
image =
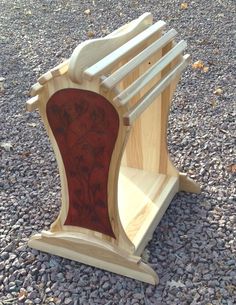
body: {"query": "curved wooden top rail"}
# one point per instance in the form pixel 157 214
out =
pixel 84 55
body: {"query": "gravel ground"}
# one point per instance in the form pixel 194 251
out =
pixel 193 249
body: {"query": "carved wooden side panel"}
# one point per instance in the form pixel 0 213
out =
pixel 85 126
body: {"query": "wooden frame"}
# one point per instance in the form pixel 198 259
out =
pixel 106 113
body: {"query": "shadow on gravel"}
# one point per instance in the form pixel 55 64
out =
pixel 190 253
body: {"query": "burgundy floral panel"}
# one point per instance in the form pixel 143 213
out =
pixel 85 126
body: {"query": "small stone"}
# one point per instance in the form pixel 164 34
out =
pixel 213 283
pixel 138 296
pixel 12 288
pixel 231 262
pixel 149 291
pixel 68 301
pixel 4 255
pixel 190 269
pixel 18 282
pixel 2 265
pixel 32 295
pixel 106 286
pixel 69 275
pixel 22 294
pixel 87 12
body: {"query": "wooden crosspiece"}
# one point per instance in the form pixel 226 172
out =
pixel 105 111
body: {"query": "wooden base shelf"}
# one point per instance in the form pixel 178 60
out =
pixel 143 198
pixel 95 253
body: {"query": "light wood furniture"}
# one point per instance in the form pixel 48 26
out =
pixel 105 111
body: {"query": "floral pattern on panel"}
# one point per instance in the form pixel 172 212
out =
pixel 85 126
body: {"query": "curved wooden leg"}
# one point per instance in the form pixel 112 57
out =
pixel 186 184
pixel 95 253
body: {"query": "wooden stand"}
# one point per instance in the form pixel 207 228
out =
pixel 105 111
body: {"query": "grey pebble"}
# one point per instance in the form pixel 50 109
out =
pixel 4 255
pixel 68 301
pixel 2 265
pixel 106 286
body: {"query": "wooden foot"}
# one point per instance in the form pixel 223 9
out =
pixel 186 184
pixel 95 253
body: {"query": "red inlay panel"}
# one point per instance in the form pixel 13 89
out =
pixel 85 126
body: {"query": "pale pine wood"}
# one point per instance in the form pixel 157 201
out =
pixel 134 155
pixel 57 71
pixel 84 55
pixel 43 79
pixel 186 184
pixel 94 255
pixel 61 69
pixel 148 195
pixel 118 75
pixel 32 104
pixel 148 76
pixel 142 105
pixel 117 55
pixel 136 68
pixel 35 89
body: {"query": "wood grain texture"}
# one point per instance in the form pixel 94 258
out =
pixel 145 78
pixel 85 126
pixel 131 46
pixel 148 99
pixel 186 184
pixel 84 55
pixel 95 255
pixel 148 195
pixel 109 212
pixel 33 103
pixel 137 60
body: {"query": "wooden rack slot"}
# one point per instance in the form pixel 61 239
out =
pixel 112 80
pixel 142 105
pixel 110 60
pixel 126 95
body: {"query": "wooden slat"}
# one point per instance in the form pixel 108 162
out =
pixel 43 79
pixel 92 51
pixel 60 69
pixel 33 103
pixel 145 78
pixel 119 74
pixel 138 108
pixel 111 59
pixel 34 90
